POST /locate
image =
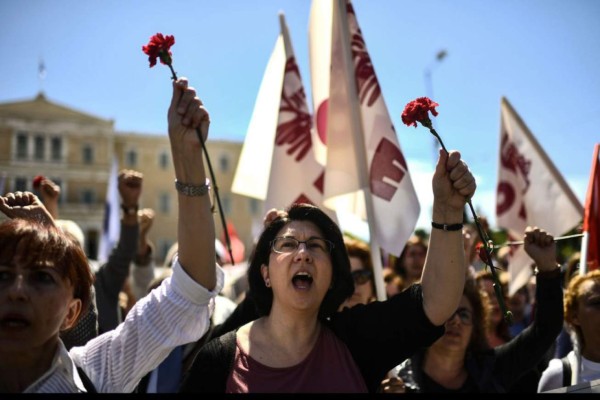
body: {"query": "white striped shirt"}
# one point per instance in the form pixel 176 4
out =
pixel 175 313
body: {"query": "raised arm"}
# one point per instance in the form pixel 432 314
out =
pixel 195 222
pixel 25 205
pixel 444 271
pixel 50 192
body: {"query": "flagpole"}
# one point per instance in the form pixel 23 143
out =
pixel 359 145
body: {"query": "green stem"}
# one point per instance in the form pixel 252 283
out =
pixel 214 185
pixel 508 317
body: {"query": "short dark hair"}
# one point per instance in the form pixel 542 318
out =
pixel 342 285
pixel 37 242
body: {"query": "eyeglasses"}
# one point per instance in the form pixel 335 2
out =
pixel 361 276
pixel 465 316
pixel 286 245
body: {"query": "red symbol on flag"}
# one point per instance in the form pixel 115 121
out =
pixel 294 131
pixel 383 165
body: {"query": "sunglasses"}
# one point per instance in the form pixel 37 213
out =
pixel 361 276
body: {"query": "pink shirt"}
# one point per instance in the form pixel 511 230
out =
pixel 328 368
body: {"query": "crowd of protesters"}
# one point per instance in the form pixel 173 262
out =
pixel 303 318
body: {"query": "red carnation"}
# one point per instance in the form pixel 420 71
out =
pixel 37 181
pixel 418 111
pixel 158 47
pixel 482 252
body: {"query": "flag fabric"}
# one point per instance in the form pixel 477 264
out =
pixel 112 220
pixel 294 175
pixel 530 191
pixel 238 249
pixel 590 249
pixel 366 174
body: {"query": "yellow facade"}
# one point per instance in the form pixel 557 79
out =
pixel 76 149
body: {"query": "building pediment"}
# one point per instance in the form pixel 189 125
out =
pixel 40 108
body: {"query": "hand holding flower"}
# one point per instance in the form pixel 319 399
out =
pixel 418 111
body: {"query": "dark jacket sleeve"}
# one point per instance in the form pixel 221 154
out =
pixel 380 335
pixel 211 367
pixel 527 349
pixel 111 276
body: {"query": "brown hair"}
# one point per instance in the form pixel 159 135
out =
pixel 361 250
pixel 36 243
pixel 572 297
pixel 481 305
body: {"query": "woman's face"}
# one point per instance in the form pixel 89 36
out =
pixel 35 304
pixel 414 261
pixel 363 286
pixel 587 315
pixel 459 328
pixel 495 314
pixel 299 277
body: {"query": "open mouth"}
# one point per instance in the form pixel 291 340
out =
pixel 302 280
pixel 11 322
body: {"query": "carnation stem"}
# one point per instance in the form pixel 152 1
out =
pixel 508 317
pixel 213 180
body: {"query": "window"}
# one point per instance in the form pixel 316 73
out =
pixel 56 149
pixel 164 203
pixel 163 160
pixel 39 149
pixel 87 154
pixel 224 163
pixel 20 184
pixel 131 158
pixel 22 146
pixel 88 196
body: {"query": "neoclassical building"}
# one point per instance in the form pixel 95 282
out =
pixel 76 149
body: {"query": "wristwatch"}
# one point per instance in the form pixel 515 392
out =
pixel 192 190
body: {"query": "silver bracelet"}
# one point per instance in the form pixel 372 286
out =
pixel 192 190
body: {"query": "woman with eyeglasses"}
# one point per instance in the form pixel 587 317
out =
pixel 462 361
pixel 361 267
pixel 299 274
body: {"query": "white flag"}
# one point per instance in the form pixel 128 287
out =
pixel 531 191
pixel 293 175
pixel 112 220
pixel 366 173
pixel 363 152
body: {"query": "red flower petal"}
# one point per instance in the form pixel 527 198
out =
pixel 37 181
pixel 418 111
pixel 158 48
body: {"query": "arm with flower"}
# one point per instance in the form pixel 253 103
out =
pixel 444 270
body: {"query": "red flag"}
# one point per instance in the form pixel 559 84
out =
pixel 590 252
pixel 531 191
pixel 237 246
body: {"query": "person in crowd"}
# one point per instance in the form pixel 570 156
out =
pixel 393 282
pixel 520 305
pixel 299 275
pixel 104 312
pixel 167 377
pixel 46 281
pixel 462 361
pixel 412 260
pixel 564 345
pixel 361 268
pixel 497 331
pixel 582 317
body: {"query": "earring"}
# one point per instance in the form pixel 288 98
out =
pixel 267 283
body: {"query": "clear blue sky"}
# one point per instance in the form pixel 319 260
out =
pixel 543 55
